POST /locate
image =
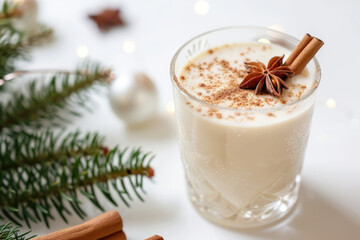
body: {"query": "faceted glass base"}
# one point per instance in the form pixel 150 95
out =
pixel 256 214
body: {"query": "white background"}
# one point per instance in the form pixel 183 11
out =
pixel 329 206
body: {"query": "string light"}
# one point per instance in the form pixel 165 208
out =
pixel 264 40
pixel 82 51
pixel 19 1
pixel 330 103
pixel 201 7
pixel 276 27
pixel 355 123
pixel 323 137
pixel 170 107
pixel 129 46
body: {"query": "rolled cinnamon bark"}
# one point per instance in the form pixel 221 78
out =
pixel 306 55
pixel 155 237
pixel 96 228
pixel 297 50
pixel 115 236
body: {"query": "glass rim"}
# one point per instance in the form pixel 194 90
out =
pixel 175 82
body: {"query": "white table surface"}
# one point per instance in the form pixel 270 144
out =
pixel 329 206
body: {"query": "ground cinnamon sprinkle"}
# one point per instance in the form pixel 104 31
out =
pixel 210 66
pixel 189 67
pixel 219 83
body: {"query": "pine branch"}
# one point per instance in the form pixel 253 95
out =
pixel 14 43
pixel 10 38
pixel 43 33
pixel 47 101
pixel 8 232
pixel 28 149
pixel 30 196
pixel 9 10
pixel 11 48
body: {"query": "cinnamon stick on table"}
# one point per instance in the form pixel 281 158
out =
pixel 96 228
pixel 303 53
pixel 115 236
pixel 155 237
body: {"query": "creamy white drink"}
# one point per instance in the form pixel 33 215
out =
pixel 242 153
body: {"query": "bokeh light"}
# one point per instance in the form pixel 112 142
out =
pixel 82 51
pixel 264 40
pixel 276 27
pixel 201 7
pixel 170 107
pixel 330 103
pixel 129 46
pixel 355 123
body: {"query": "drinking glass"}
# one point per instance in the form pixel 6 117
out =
pixel 242 169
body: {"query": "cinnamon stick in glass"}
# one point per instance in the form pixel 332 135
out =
pixel 297 50
pixel 303 53
pixel 96 228
pixel 306 55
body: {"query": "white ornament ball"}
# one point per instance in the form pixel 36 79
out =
pixel 133 98
pixel 28 21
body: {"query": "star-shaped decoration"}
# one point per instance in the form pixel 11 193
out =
pixel 270 79
pixel 108 18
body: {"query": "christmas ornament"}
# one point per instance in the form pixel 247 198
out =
pixel 107 18
pixel 27 20
pixel 133 97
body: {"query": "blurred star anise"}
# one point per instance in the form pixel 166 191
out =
pixel 269 79
pixel 107 18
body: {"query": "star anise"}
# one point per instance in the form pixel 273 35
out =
pixel 269 79
pixel 107 18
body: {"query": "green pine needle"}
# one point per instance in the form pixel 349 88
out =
pixel 11 48
pixel 43 190
pixel 14 44
pixel 42 172
pixel 28 149
pixel 46 100
pixel 8 232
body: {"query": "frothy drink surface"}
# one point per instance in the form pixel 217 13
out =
pixel 214 77
pixel 240 160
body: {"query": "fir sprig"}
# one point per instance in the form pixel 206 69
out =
pixel 47 101
pixel 28 149
pixel 43 173
pixel 10 48
pixel 33 197
pixel 8 10
pixel 8 232
pixel 14 43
